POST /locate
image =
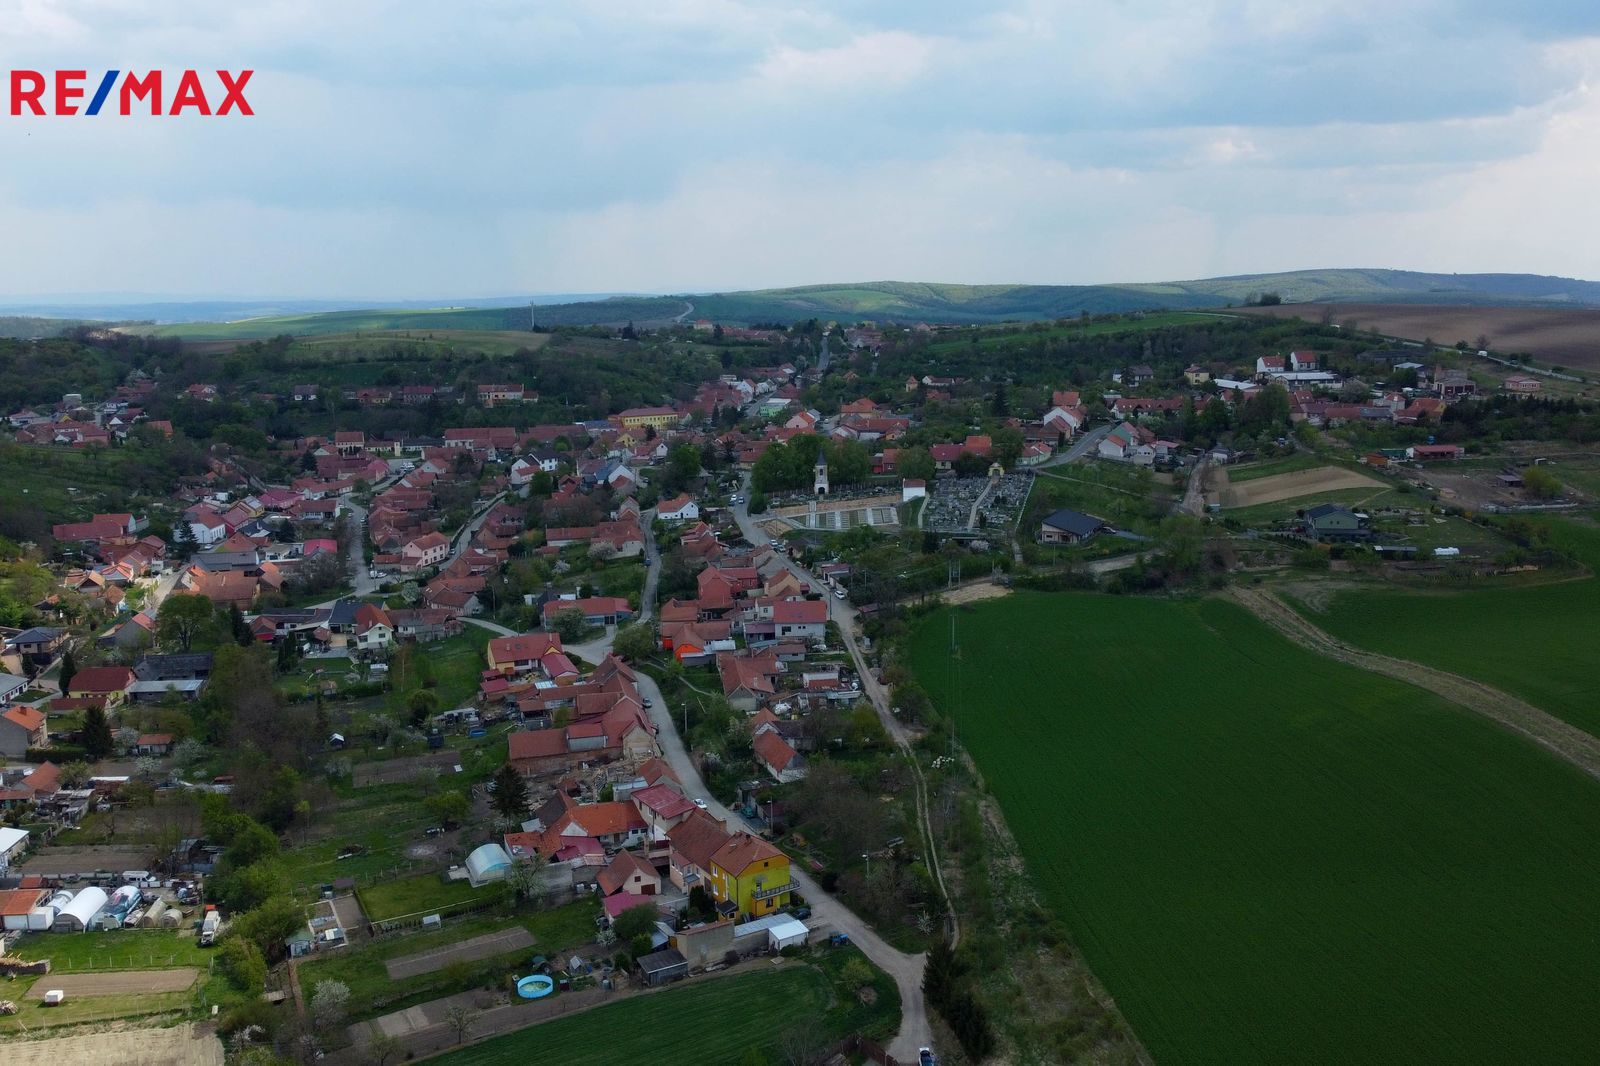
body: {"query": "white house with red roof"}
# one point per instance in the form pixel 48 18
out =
pixel 430 549
pixel 681 508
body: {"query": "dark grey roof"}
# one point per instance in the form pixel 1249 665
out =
pixel 173 667
pixel 36 634
pixel 1075 522
pixel 214 561
pixel 662 960
pixel 344 613
pixel 1323 510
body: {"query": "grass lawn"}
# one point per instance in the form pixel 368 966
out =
pixel 385 820
pixel 124 949
pixel 1270 857
pixel 453 665
pixel 713 1020
pixel 373 992
pixel 414 895
pixel 27 992
pixel 1536 641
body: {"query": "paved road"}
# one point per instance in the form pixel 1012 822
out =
pixel 1080 447
pixel 826 912
pixel 906 969
pixel 494 627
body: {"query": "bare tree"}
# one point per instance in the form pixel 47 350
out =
pixel 460 1018
pixel 800 1047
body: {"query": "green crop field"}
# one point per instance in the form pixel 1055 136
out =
pixel 1270 857
pixel 708 1020
pixel 1536 641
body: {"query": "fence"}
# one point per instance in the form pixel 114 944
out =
pixel 112 962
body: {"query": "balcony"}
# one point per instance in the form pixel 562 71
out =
pixel 768 893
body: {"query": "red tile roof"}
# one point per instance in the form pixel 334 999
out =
pixel 101 680
pixel 742 851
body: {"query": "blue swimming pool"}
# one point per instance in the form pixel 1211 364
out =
pixel 536 987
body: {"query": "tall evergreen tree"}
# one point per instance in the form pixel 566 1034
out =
pixel 69 667
pixel 97 742
pixel 510 793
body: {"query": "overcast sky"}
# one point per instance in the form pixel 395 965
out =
pixel 429 150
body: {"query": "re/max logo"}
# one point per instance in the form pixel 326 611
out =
pixel 29 92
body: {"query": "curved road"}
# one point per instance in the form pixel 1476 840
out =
pixel 915 1032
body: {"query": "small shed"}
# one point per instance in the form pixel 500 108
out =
pixel 789 933
pixel 661 967
pixel 17 904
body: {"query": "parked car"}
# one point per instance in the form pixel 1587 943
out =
pixel 801 913
pixel 839 594
pixel 648 702
pixel 925 1057
pixel 700 803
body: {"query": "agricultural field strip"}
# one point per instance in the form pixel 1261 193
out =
pixel 1288 486
pixel 125 982
pixel 478 947
pixel 1561 738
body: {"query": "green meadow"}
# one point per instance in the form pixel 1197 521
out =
pixel 1270 857
pixel 1534 640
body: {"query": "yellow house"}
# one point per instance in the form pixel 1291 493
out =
pixel 749 877
pixel 639 417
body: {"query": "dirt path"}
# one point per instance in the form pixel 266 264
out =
pixel 1566 741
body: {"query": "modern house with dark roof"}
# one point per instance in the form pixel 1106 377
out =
pixel 1069 527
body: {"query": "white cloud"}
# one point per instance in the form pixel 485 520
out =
pixel 413 150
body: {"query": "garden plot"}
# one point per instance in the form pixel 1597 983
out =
pixel 479 947
pixel 1298 483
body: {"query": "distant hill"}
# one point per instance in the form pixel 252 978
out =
pixel 936 303
pixel 27 327
pixel 931 302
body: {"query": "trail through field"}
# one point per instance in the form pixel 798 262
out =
pixel 1545 729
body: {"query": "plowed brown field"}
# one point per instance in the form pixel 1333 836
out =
pixel 1568 337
